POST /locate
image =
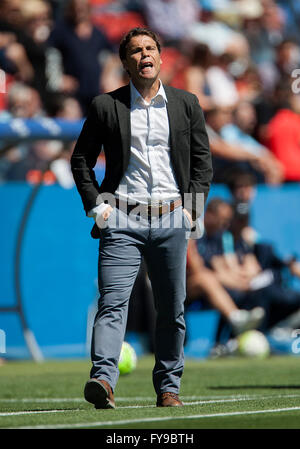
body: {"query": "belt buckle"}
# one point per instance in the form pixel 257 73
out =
pixel 158 207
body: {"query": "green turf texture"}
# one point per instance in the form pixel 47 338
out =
pixel 224 386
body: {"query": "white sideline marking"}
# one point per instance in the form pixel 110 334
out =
pixel 154 419
pixel 205 399
pixel 217 401
pixel 243 398
pixel 33 412
pixel 118 399
pixel 41 400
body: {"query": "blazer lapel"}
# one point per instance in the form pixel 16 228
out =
pixel 123 112
pixel 174 124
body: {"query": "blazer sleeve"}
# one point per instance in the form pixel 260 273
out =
pixel 201 171
pixel 84 158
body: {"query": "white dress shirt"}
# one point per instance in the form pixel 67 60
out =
pixel 149 177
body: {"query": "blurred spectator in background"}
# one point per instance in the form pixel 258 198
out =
pixel 38 23
pixel 291 10
pixel 226 156
pixel 13 58
pixel 195 75
pixel 175 62
pixel 218 217
pixel 279 300
pixel 82 46
pixel 267 105
pixel 23 102
pixel 231 154
pixel 37 19
pixel 218 35
pixel 13 21
pixel 238 132
pixel 203 285
pixel 59 165
pixel 248 83
pixel 284 135
pixel 242 186
pixel 171 19
pixel 113 74
pixel 221 83
pixel 251 274
pixel 27 161
pixel 65 107
pixel 265 32
pixel 286 59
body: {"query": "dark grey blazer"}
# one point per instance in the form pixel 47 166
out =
pixel 108 125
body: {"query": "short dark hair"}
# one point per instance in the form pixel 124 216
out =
pixel 215 203
pixel 240 178
pixel 138 31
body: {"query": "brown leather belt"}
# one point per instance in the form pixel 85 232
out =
pixel 149 211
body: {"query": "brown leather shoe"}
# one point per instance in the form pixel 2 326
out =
pixel 99 393
pixel 168 399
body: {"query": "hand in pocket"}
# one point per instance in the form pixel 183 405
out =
pixel 103 217
pixel 189 217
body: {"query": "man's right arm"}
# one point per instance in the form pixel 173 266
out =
pixel 84 158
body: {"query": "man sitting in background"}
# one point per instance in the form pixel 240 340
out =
pixel 251 274
pixel 230 155
pixel 238 132
pixel 203 285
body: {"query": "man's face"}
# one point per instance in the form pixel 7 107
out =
pixel 224 216
pixel 220 118
pixel 245 117
pixel 11 11
pixel 142 59
pixel 218 220
pixel 244 193
pixel 79 10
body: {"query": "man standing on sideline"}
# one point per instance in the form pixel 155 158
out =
pixel 157 152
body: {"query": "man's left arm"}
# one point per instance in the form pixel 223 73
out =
pixel 201 172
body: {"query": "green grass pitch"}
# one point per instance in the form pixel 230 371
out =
pixel 231 393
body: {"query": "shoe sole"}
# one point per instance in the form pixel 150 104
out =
pixel 96 393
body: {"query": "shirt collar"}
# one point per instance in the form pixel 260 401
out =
pixel 136 97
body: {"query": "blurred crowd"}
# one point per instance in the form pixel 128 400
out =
pixel 240 57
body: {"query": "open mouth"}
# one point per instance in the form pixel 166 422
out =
pixel 146 65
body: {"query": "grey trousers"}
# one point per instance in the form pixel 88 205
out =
pixel 162 242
